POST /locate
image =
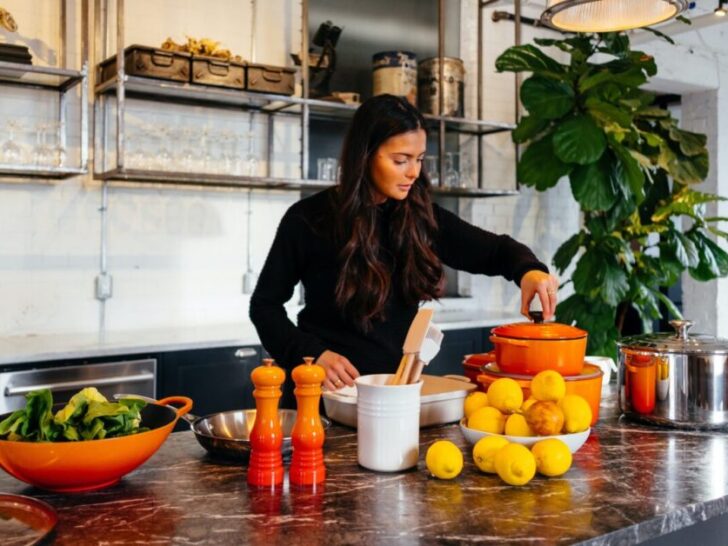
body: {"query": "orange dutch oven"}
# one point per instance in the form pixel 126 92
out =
pixel 528 348
pixel 91 464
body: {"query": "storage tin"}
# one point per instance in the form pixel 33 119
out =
pixel 149 62
pixel 218 72
pixel 453 86
pixel 264 78
pixel 395 73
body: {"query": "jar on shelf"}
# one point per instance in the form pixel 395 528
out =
pixel 395 73
pixel 453 86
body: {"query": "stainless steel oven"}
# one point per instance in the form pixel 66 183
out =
pixel 128 376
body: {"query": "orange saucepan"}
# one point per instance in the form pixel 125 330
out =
pixel 91 464
pixel 528 348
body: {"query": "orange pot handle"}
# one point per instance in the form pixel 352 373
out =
pixel 510 341
pixel 186 404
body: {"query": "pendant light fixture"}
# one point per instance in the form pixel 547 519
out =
pixel 609 15
pixel 720 11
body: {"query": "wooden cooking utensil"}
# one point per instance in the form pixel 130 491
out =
pixel 412 343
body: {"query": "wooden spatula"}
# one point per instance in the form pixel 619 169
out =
pixel 412 343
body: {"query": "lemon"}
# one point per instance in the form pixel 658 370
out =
pixel 577 413
pixel 474 401
pixel 530 401
pixel 516 425
pixel 553 457
pixel 484 452
pixel 548 385
pixel 444 460
pixel 505 395
pixel 515 464
pixel 487 419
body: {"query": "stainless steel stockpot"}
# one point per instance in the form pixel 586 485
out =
pixel 675 379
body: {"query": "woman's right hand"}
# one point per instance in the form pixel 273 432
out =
pixel 339 371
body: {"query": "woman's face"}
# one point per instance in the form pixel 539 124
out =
pixel 397 164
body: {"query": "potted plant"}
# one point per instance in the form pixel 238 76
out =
pixel 631 169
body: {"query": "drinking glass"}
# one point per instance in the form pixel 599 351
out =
pixel 11 152
pixel 43 153
pixel 327 168
pixel 452 176
pixel 432 168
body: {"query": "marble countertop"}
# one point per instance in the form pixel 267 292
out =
pixel 47 347
pixel 628 483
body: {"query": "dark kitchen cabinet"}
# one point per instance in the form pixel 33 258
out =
pixel 216 379
pixel 455 345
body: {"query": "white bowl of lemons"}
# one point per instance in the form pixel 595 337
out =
pixel 549 413
pixel 573 441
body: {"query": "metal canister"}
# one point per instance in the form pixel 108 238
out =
pixel 395 72
pixel 453 87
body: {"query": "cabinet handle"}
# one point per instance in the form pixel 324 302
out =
pixel 245 352
pixel 66 385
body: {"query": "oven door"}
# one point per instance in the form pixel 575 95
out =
pixel 129 377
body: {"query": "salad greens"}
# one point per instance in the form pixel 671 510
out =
pixel 87 416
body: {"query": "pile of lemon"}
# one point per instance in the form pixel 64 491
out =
pixel 548 411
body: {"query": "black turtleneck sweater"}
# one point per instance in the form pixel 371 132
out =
pixel 300 252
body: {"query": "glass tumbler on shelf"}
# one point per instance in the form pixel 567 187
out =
pixel 42 152
pixel 452 176
pixel 327 168
pixel 11 153
pixel 432 168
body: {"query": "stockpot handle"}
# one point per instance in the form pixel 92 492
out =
pixel 681 328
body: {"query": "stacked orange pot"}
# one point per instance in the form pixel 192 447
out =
pixel 523 349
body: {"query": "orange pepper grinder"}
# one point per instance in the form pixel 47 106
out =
pixel 307 464
pixel 265 468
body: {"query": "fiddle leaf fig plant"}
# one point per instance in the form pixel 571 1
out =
pixel 632 171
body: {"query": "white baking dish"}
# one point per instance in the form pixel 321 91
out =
pixel 441 401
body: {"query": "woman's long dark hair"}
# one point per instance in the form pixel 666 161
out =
pixel 365 280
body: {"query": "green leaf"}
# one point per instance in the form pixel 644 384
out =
pixel 579 140
pixel 546 98
pixel 608 113
pixel 598 276
pixel 528 58
pixel 682 248
pixel 691 144
pixel 527 128
pixel 540 167
pixel 713 259
pixel 630 172
pixel 567 251
pixel 683 202
pixel 653 112
pixel 668 303
pixel 592 186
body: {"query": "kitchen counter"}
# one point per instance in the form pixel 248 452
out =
pixel 47 347
pixel 629 483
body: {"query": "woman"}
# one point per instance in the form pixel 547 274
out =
pixel 370 249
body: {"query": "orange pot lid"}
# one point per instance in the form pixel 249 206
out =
pixel 544 331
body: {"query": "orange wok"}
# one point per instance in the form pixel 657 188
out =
pixel 91 464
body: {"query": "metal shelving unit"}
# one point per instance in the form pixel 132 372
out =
pixel 63 81
pixel 124 86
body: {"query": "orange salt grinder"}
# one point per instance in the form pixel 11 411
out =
pixel 265 468
pixel 307 463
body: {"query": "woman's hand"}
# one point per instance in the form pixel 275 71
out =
pixel 339 371
pixel 545 285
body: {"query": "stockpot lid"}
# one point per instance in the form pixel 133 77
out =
pixel 678 342
pixel 539 331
